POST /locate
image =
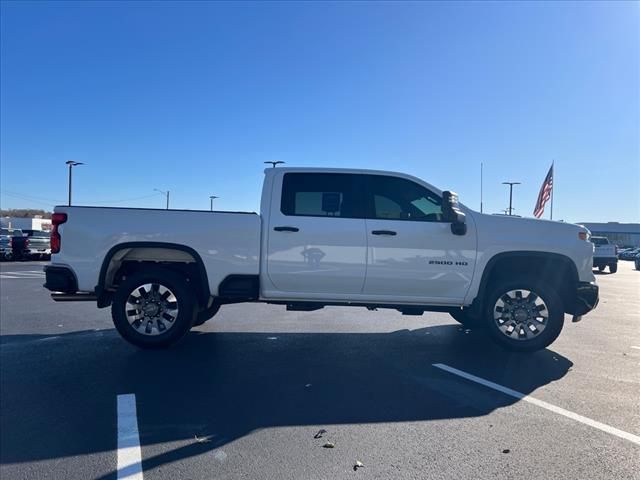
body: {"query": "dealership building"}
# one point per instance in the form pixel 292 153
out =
pixel 37 223
pixel 621 234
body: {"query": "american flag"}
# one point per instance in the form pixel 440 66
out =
pixel 545 194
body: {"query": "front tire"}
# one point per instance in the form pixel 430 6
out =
pixel 154 308
pixel 613 268
pixel 523 316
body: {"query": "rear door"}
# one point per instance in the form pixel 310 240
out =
pixel 413 255
pixel 317 241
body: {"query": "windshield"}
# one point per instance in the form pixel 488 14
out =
pixel 599 241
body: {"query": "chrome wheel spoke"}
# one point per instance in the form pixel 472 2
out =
pixel 152 309
pixel 520 314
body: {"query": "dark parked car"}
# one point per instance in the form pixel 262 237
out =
pixel 629 254
pixel 6 242
pixel 33 244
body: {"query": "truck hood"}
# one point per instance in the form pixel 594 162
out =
pixel 503 233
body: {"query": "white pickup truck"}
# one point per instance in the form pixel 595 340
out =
pixel 605 254
pixel 326 237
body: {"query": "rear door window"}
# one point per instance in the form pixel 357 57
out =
pixel 321 195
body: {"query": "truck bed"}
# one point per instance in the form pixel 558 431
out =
pixel 91 233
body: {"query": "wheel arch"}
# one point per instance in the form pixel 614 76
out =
pixel 559 268
pixel 157 252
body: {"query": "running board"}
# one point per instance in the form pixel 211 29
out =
pixel 74 297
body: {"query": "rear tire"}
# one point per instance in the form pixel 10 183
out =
pixel 154 308
pixel 523 315
pixel 613 268
pixel 601 268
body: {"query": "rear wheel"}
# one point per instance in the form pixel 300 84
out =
pixel 613 268
pixel 601 268
pixel 154 308
pixel 523 315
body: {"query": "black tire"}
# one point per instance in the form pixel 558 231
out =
pixel 550 329
pixel 601 268
pixel 184 299
pixel 463 317
pixel 613 268
pixel 206 315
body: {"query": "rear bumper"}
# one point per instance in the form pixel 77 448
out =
pixel 586 299
pixel 604 261
pixel 60 279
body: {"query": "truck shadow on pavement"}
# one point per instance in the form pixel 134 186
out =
pixel 222 386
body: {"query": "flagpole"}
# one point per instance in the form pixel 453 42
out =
pixel 480 187
pixel 553 185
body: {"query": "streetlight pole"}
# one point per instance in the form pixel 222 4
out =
pixel 71 164
pixel 511 184
pixel 212 198
pixel 166 194
pixel 277 162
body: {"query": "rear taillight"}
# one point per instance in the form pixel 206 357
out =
pixel 10 241
pixel 56 220
pixel 26 242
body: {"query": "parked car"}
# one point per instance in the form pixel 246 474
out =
pixel 326 237
pixel 6 242
pixel 37 244
pixel 605 254
pixel 629 254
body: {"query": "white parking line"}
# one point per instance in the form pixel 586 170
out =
pixel 560 411
pixel 633 346
pixel 129 452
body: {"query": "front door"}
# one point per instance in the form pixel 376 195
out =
pixel 412 254
pixel 317 242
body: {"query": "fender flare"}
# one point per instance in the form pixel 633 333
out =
pixel 205 292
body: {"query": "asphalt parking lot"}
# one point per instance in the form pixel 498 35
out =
pixel 244 395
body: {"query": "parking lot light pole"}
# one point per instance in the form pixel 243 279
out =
pixel 511 184
pixel 71 164
pixel 212 198
pixel 166 194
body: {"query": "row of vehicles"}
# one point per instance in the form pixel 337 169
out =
pixel 606 254
pixel 19 244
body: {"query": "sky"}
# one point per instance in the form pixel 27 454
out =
pixel 193 97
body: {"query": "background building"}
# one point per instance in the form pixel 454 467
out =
pixel 621 234
pixel 26 223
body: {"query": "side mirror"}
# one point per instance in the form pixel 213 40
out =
pixel 451 213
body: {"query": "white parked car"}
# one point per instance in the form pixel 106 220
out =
pixel 326 237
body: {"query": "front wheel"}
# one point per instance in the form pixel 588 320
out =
pixel 154 308
pixel 523 316
pixel 613 268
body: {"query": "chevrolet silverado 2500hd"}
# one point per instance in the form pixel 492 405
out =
pixel 326 237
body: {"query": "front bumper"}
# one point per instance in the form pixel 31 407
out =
pixel 586 299
pixel 60 279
